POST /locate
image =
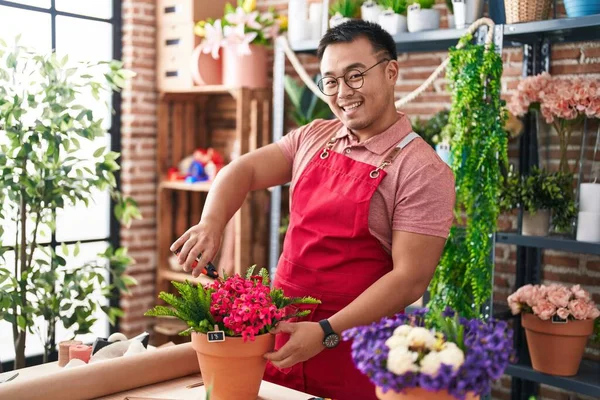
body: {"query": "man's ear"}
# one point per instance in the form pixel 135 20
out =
pixel 392 71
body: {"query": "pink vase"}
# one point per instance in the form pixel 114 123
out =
pixel 245 70
pixel 205 69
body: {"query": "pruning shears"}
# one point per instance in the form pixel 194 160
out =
pixel 209 270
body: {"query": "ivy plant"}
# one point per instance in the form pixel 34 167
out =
pixel 479 155
pixel 44 122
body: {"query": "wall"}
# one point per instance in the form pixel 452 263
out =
pixel 138 177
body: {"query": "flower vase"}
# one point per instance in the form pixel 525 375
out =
pixel 556 348
pixel 232 369
pixel 245 70
pixel 537 224
pixel 418 393
pixel 206 70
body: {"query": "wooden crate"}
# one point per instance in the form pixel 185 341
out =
pixel 210 117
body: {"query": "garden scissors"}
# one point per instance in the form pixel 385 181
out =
pixel 210 270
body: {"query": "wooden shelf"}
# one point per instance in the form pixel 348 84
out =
pixel 208 90
pixel 190 187
pixel 170 275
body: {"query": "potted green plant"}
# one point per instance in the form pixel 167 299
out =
pixel 306 106
pixel 422 16
pixel 44 123
pixel 229 321
pixel 343 10
pixel 544 196
pixel 393 17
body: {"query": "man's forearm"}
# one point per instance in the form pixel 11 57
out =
pixel 387 296
pixel 227 194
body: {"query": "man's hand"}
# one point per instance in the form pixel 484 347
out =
pixel 306 341
pixel 204 239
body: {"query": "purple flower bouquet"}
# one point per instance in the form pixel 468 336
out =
pixel 441 354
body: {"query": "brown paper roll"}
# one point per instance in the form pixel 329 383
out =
pixel 106 377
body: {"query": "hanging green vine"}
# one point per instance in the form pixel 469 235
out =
pixel 479 152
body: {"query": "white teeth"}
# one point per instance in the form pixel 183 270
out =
pixel 352 106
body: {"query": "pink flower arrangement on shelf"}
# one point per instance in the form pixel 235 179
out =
pixel 546 302
pixel 240 26
pixel 563 102
pixel 557 98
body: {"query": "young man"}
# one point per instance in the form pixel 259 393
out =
pixel 371 207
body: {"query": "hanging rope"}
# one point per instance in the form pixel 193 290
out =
pixel 291 55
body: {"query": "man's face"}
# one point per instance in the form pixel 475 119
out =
pixel 358 108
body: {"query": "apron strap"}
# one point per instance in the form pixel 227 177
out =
pixel 391 156
pixel 328 146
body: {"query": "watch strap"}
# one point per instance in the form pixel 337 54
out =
pixel 326 326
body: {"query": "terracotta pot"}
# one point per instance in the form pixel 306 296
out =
pixel 233 368
pixel 537 224
pixel 556 348
pixel 418 394
pixel 205 69
pixel 245 70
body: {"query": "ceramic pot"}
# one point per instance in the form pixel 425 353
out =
pixel 205 69
pixel 245 70
pixel 233 369
pixel 588 226
pixel 337 19
pixel 370 11
pixel 536 224
pixel 392 23
pixel 418 394
pixel 419 19
pixel 556 348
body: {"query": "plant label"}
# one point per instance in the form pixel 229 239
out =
pixel 558 320
pixel 216 335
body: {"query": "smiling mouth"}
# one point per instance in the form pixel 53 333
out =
pixel 352 106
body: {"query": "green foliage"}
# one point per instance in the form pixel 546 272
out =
pixel 479 146
pixel 434 129
pixel 596 336
pixel 541 190
pixel 44 121
pixel 450 6
pixel 346 8
pixel 450 327
pixel 192 306
pixel 306 105
pixel 424 3
pixel 398 6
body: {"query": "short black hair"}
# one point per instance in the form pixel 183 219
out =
pixel 348 31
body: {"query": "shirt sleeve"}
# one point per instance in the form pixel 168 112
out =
pixel 425 201
pixel 290 143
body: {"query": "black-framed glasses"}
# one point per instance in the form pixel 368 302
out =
pixel 354 78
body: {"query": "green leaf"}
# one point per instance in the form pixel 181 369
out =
pixel 99 152
pixel 21 322
pixel 65 249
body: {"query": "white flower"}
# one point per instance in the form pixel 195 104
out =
pixel 402 330
pixel 236 35
pixel 397 341
pixel 240 17
pixel 430 364
pixel 421 337
pixel 452 355
pixel 401 361
pixel 213 39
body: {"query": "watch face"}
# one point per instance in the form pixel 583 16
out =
pixel 331 340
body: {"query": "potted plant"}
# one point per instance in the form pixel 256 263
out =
pixel 543 195
pixel 370 11
pixel 343 10
pixel 422 16
pixel 435 131
pixel 242 37
pixel 229 321
pixel 558 322
pixel 427 355
pixel 45 122
pixel 393 17
pixel 306 106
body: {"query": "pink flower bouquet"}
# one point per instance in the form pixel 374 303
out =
pixel 546 302
pixel 240 307
pixel 563 102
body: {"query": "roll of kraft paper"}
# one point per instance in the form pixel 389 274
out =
pixel 107 377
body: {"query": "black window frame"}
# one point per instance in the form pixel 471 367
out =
pixel 115 143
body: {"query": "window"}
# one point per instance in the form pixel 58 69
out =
pixel 85 30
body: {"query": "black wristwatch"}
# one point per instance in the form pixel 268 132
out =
pixel 331 339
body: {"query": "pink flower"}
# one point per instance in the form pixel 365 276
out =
pixel 559 296
pixel 237 36
pixel 593 313
pixel 580 308
pixel 213 39
pixel 240 17
pixel 563 313
pixel 544 309
pixel 580 293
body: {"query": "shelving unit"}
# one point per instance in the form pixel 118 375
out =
pixel 230 120
pixel 536 39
